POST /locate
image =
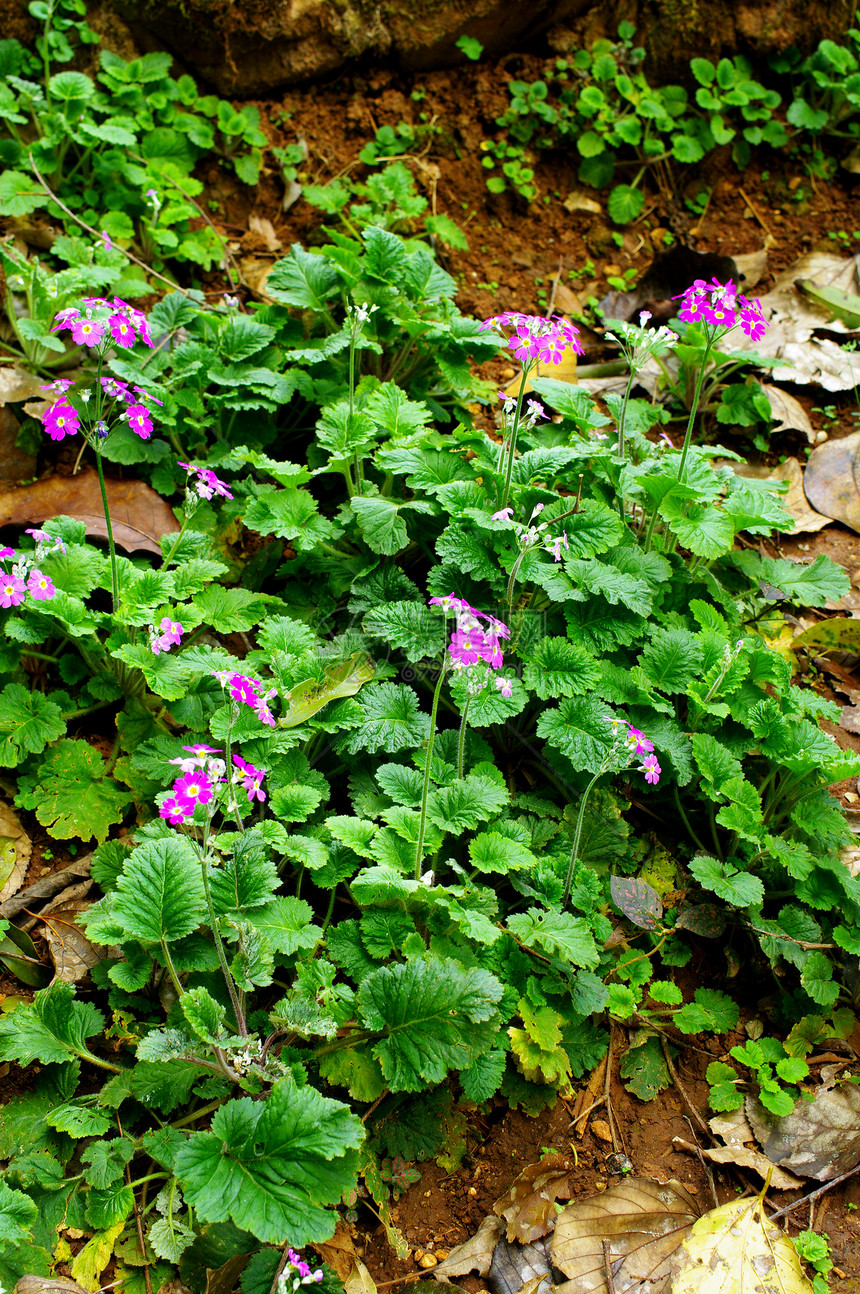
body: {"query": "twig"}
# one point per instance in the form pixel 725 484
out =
pixel 705 1165
pixel 95 233
pixel 616 1140
pixel 813 1195
pixel 595 1105
pixel 281 1267
pixel 607 1267
pixel 759 217
pixel 682 1091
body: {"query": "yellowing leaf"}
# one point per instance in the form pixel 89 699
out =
pixel 539 1065
pixel 88 1265
pixel 659 871
pixel 735 1250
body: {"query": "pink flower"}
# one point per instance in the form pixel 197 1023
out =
pixel 651 769
pixel 63 318
pixel 87 332
pixel 121 331
pixel 638 742
pixel 106 240
pixel 524 345
pixel 12 591
pixel 170 635
pixel 251 779
pixel 467 647
pixel 145 395
pixel 59 387
pixel 40 586
pixel 244 689
pixel 176 811
pixel 505 686
pixel 137 417
pixel 61 420
pixel 193 789
pixel 115 389
pixel 207 483
pixel 6 552
pixel 504 514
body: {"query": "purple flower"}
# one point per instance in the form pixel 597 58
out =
pixel 193 789
pixel 86 332
pixel 207 483
pixel 251 779
pixel 122 331
pixel 176 811
pixel 467 647
pixel 61 420
pixel 13 590
pixel 524 345
pixel 651 769
pixel 106 240
pixel 137 417
pixel 6 552
pixel 40 586
pixel 244 689
pixel 170 635
pixel 638 742
pixel 504 514
pixel 115 389
pixel 59 387
pixel 720 306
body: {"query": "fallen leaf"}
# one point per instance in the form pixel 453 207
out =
pixel 475 1254
pixel 578 200
pixel 839 633
pixel 736 1133
pixel 565 300
pixel 832 480
pixel 528 1206
pixel 643 1222
pixel 139 516
pixel 17 385
pixel 223 1279
pixel 820 1138
pixel 806 519
pixel 520 1269
pixel 265 231
pixel 15 850
pixel 73 954
pixel 46 887
pixel 735 1250
pixel 47 1285
pixel 849 719
pixel 339 1253
pixel 751 268
pixel 788 413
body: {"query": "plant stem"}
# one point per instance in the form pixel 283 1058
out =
pixel 171 969
pixel 222 956
pixel 686 821
pixel 177 541
pixel 694 407
pixel 419 851
pixel 112 548
pixel 461 744
pixel 512 448
pixel 512 582
pixel 573 865
pixel 621 445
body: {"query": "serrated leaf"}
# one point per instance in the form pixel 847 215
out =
pixel 671 659
pixel 723 879
pixel 29 721
pixel 391 721
pixel 556 933
pixel 557 667
pixel 52 1029
pixel 415 628
pixel 468 801
pixel 286 924
pixel 578 728
pixel 638 900
pixel 71 793
pixel 302 279
pixel 434 1016
pixel 160 893
pixel 273 1167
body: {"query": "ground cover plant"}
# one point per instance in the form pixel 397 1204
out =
pixel 372 820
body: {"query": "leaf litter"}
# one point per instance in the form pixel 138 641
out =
pixel 819 1139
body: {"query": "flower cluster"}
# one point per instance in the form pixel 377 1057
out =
pixel 640 343
pixel 246 691
pixel 204 483
pixel 536 338
pixel 103 323
pixel 202 770
pixel 534 410
pixel 62 419
pixel 471 641
pixel 24 577
pixel 250 779
pixel 637 746
pixel 531 536
pixel 167 635
pixel 721 306
pixel 297 1273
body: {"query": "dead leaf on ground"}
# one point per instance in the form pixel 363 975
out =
pixel 528 1206
pixel 15 850
pixel 265 231
pixel 751 268
pixel 788 413
pixel 736 1133
pixel 643 1222
pixel 579 200
pixel 72 953
pixel 339 1253
pixel 139 516
pixel 223 1280
pixel 48 1285
pixel 475 1254
pixel 17 385
pixel 565 300
pixel 806 519
pixel 832 480
pixel 820 1138
pixel 735 1250
pixel 521 1269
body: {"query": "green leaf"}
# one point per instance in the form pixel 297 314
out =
pixel 743 813
pixel 273 1167
pixel 483 1079
pixel 700 527
pixel 286 924
pixel 817 979
pixel 710 1011
pixel 52 1028
pixel 230 611
pixel 578 728
pixel 160 891
pixel 302 279
pixel 72 794
pixel 18 1214
pixel 381 525
pixel 204 1016
pixel 643 1066
pixel 391 721
pixel 434 1016
pixel 556 933
pixel 723 879
pixel 625 204
pixel 468 801
pixel 78 1120
pixel 671 659
pixel 556 667
pixel 20 195
pixel 29 721
pixel 716 764
pixel 490 851
pixel 418 630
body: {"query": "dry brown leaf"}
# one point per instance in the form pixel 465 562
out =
pixel 832 480
pixel 515 1268
pixel 736 1132
pixel 139 516
pixel 48 1285
pixel 528 1206
pixel 15 850
pixel 72 953
pixel 789 414
pixel 17 385
pixel 339 1253
pixel 751 268
pixel 223 1280
pixel 806 519
pixel 643 1222
pixel 265 231
pixel 820 1138
pixel 565 299
pixel 476 1254
pixel 173 1287
pixel 578 200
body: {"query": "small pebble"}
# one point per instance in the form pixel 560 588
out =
pixel 472 1191
pixel 442 1254
pixel 601 1129
pixel 820 437
pixel 429 1260
pixel 418 1255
